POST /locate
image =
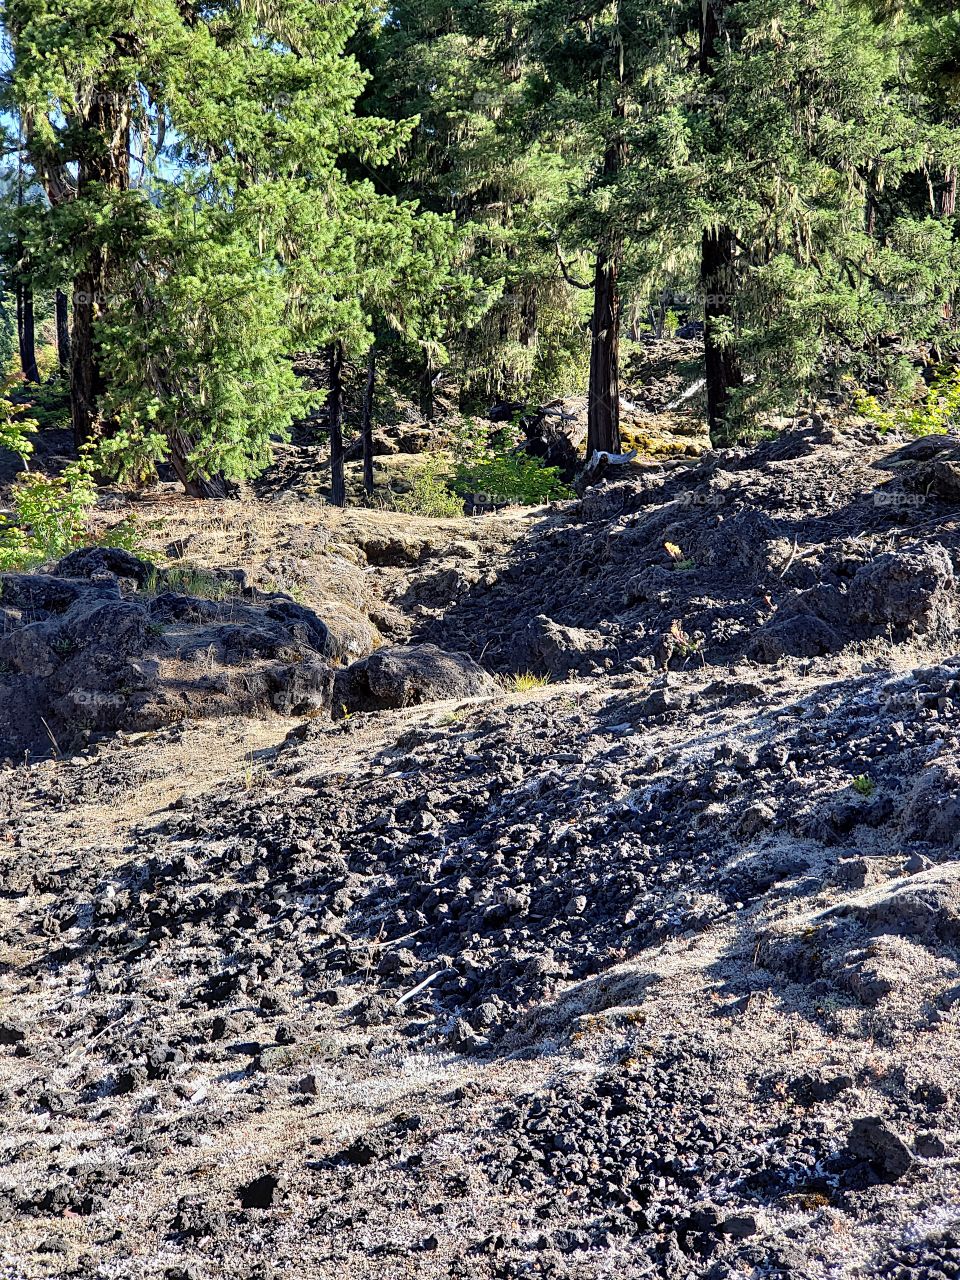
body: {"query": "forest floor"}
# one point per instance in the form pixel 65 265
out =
pixel 651 969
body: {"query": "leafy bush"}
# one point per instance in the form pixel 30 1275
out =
pixel 48 361
pixel 931 412
pixel 491 460
pixel 125 535
pixel 51 404
pixel 430 493
pixel 16 427
pixel 50 516
pixel 16 550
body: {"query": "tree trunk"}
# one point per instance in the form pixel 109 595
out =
pixel 23 288
pixel 717 279
pixel 947 208
pixel 530 321
pixel 603 405
pixel 603 393
pixel 722 367
pixel 86 380
pixel 870 217
pixel 194 486
pixel 104 165
pixel 25 331
pixel 658 315
pixel 366 426
pixel 947 195
pixel 427 403
pixel 338 488
pixel 63 332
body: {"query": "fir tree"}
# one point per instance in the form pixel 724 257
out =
pixel 193 160
pixel 456 69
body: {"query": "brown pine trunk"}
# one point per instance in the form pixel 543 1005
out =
pixel 870 217
pixel 947 195
pixel 530 321
pixel 427 402
pixel 63 332
pixel 721 365
pixel 366 426
pixel 86 381
pixel 23 288
pixel 104 164
pixel 181 446
pixel 947 208
pixel 717 280
pixel 26 335
pixel 338 488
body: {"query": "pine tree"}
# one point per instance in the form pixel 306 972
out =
pixel 824 137
pixel 193 159
pixel 457 70
pixel 585 66
pixel 768 155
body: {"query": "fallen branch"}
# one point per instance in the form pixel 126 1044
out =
pixel 421 986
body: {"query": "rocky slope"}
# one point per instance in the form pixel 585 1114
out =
pixel 652 971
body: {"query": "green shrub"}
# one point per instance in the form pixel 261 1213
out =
pixel 430 493
pixel 48 361
pixel 125 535
pixel 491 461
pixel 50 516
pixel 930 412
pixel 16 550
pixel 191 581
pixel 16 428
pixel 51 404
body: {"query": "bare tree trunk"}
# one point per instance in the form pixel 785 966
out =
pixel 603 392
pixel 427 403
pixel 603 412
pixel 717 280
pixel 25 331
pixel 870 217
pixel 947 196
pixel 338 488
pixel 26 339
pixel 86 381
pixel 63 332
pixel 366 425
pixel 530 321
pixel 722 367
pixel 947 208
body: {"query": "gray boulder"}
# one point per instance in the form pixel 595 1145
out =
pixel 798 635
pixel 405 676
pixel 549 646
pixel 912 592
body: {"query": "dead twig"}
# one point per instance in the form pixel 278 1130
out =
pixel 421 986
